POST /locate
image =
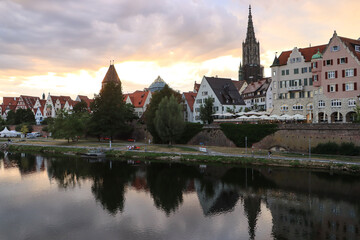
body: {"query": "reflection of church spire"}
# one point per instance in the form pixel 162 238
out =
pixel 252 209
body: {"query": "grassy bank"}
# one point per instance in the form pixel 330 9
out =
pixel 192 157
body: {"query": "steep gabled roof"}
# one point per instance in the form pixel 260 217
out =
pixel 225 91
pixel 111 76
pixel 10 103
pixel 307 53
pixel 29 101
pixel 138 98
pixel 85 99
pixel 239 84
pixel 350 44
pixel 190 99
pixel 258 86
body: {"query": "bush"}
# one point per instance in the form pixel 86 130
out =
pixel 253 132
pixel 190 130
pixel 349 149
pixel 333 148
pixel 19 127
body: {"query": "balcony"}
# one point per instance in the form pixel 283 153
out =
pixel 295 88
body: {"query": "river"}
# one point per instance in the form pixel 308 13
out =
pixel 72 198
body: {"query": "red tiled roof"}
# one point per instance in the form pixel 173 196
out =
pixel 86 99
pixel 238 84
pixel 190 98
pixel 307 53
pixel 29 101
pixel 7 101
pixel 254 86
pixel 350 43
pixel 138 98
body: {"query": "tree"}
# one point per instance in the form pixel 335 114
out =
pixel 153 106
pixel 80 107
pixel 169 121
pixel 24 129
pixel 110 116
pixel 357 114
pixel 20 116
pixel 207 111
pixel 69 126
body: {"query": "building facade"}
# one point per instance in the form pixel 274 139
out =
pixel 292 82
pixel 258 95
pixel 336 80
pixel 224 94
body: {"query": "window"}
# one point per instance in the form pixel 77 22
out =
pixel 292 95
pixel 314 65
pixel 305 82
pixel 298 107
pixel 296 71
pixel 304 70
pixel 335 103
pixel 287 72
pixel 332 88
pixel 199 101
pixel 335 48
pixel 205 93
pixel 281 83
pixel 357 48
pixel 197 109
pixel 309 94
pixel 331 74
pixel 328 62
pixel 342 60
pixel 274 85
pixel 321 104
pixel 349 72
pixel 352 103
pixel 274 73
pixel 301 94
pixel 284 108
pixel 315 78
pixel 310 81
pixel 349 86
pixel 282 72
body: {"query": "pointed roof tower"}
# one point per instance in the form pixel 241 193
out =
pixel 250 70
pixel 111 76
pixel 250 34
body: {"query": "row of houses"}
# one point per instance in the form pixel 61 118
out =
pixel 41 107
pixel 319 82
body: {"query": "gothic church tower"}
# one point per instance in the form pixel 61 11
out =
pixel 250 70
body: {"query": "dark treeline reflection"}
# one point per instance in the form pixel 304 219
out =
pixel 303 204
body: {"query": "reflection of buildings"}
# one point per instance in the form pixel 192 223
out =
pixel 220 198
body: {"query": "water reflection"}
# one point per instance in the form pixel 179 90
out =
pixel 296 204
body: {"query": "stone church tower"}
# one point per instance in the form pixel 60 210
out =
pixel 250 70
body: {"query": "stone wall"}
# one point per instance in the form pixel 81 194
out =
pixel 211 136
pixel 296 137
pixel 36 128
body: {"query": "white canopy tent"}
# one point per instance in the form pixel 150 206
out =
pixel 7 133
pixel 299 117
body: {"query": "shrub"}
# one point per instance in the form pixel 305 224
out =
pixel 253 132
pixel 326 148
pixel 333 148
pixel 190 130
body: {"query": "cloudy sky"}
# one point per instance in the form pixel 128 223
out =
pixel 65 46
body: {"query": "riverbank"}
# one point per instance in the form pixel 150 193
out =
pixel 191 154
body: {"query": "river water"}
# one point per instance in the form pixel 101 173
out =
pixel 71 198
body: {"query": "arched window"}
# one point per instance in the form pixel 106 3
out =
pixel 298 107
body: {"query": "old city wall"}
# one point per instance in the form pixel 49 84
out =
pixel 296 137
pixel 211 136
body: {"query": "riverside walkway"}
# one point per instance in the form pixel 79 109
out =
pixel 143 149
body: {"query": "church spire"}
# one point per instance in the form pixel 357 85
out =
pixel 250 35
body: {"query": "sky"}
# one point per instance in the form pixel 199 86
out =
pixel 64 47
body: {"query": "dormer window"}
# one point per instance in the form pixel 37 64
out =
pixel 357 48
pixel 335 48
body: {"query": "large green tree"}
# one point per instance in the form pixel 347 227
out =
pixel 153 106
pixel 111 116
pixel 69 126
pixel 207 111
pixel 20 116
pixel 169 120
pixel 80 107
